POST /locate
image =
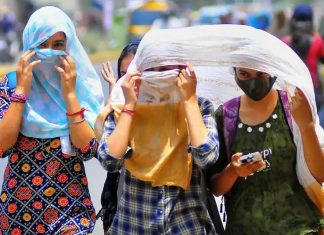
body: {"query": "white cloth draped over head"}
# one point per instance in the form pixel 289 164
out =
pixel 214 51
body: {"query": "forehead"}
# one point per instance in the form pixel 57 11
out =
pixel 245 69
pixel 58 36
pixel 127 59
pixel 250 71
pixel 166 67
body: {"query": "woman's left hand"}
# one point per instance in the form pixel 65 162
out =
pixel 301 110
pixel 68 76
pixel 187 84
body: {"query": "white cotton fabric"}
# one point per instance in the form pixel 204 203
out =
pixel 214 51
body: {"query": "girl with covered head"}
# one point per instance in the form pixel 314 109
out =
pixel 162 134
pixel 109 196
pixel 48 108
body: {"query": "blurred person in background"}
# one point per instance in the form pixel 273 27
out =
pixel 168 20
pixel 171 18
pixel 109 197
pixel 259 20
pixel 321 27
pixel 47 111
pixel 227 18
pixel 308 45
pixel 9 41
pixel 240 17
pixel 7 19
pixel 280 26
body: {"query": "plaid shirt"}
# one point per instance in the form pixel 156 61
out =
pixel 144 209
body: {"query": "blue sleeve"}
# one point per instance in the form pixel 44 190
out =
pixel 108 162
pixel 207 153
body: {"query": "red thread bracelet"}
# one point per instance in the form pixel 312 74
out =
pixel 20 98
pixel 77 122
pixel 128 111
pixel 80 112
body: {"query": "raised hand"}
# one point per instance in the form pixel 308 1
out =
pixel 130 87
pixel 187 84
pixel 246 169
pixel 68 76
pixel 108 74
pixel 24 72
pixel 301 110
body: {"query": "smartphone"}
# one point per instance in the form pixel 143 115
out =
pixel 258 156
pixel 251 157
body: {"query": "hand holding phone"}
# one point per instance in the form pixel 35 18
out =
pixel 257 156
pixel 251 157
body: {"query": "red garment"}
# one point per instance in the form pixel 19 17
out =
pixel 316 51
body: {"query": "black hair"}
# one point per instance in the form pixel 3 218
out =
pixel 130 49
pixel 301 37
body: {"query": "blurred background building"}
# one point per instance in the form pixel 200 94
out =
pixel 110 20
pixel 106 25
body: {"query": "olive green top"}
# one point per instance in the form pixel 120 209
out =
pixel 271 201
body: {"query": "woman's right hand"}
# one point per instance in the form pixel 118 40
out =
pixel 244 169
pixel 24 72
pixel 130 87
pixel 108 74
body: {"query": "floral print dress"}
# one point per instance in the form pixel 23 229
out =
pixel 44 191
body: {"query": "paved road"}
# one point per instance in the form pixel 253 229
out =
pixel 95 173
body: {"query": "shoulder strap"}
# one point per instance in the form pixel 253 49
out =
pixel 209 200
pixel 230 114
pixel 285 104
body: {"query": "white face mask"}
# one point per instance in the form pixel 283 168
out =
pixel 162 79
pixel 157 87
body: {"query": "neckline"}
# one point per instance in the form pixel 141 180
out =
pixel 275 109
pixel 261 127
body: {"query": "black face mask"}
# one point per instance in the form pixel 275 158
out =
pixel 256 88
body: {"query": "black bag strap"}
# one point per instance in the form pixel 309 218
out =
pixel 211 205
pixel 217 213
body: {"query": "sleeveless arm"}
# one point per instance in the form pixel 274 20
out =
pixel 10 118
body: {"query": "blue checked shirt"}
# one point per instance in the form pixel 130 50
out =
pixel 144 209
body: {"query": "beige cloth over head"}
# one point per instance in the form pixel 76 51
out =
pixel 159 135
pixel 159 140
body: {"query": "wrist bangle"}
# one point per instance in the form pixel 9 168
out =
pixel 128 111
pixel 21 98
pixel 77 122
pixel 80 112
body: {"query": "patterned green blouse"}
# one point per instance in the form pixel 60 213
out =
pixel 271 201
